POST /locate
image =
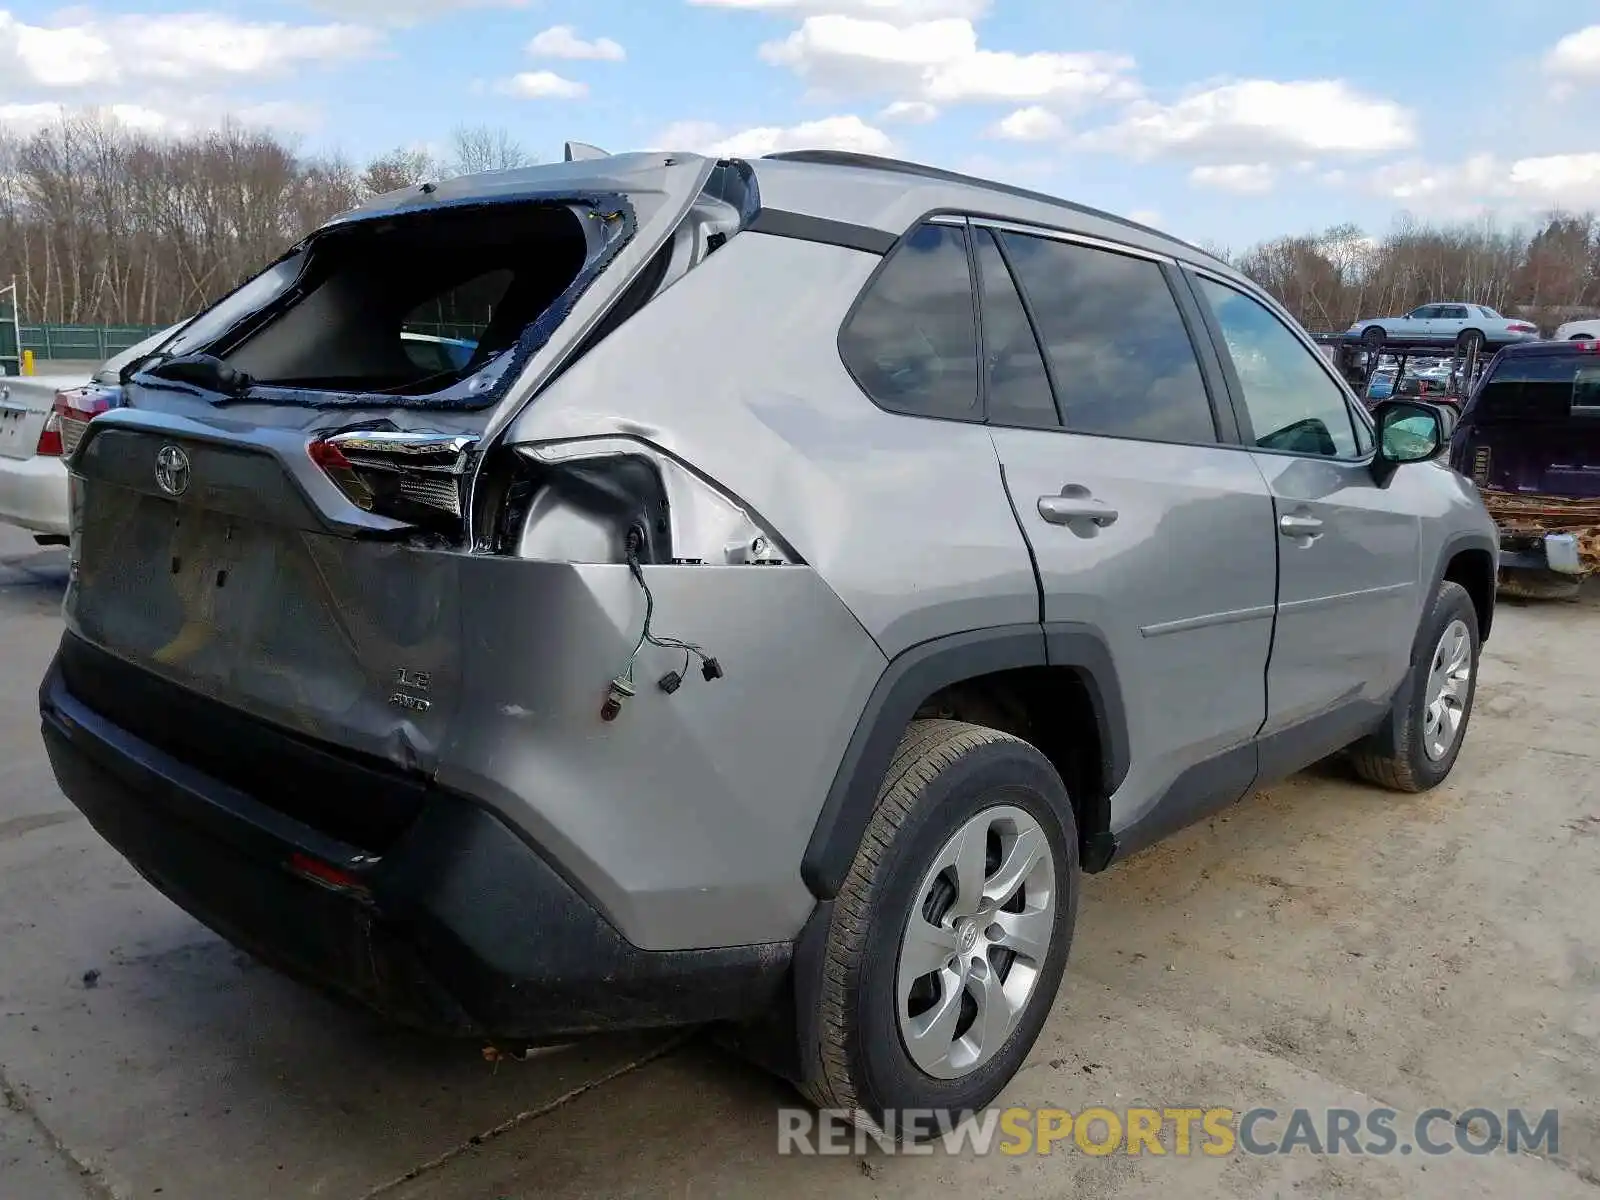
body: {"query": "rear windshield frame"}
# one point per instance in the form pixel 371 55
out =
pixel 608 206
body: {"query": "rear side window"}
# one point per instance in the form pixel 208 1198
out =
pixel 912 341
pixel 1119 351
pixel 1015 381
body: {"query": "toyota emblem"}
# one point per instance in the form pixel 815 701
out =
pixel 172 470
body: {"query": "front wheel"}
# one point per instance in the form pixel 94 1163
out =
pixel 1429 721
pixel 1469 341
pixel 951 932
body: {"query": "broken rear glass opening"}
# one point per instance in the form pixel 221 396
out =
pixel 414 304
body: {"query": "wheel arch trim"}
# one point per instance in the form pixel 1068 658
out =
pixel 917 673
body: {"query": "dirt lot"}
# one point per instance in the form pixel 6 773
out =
pixel 1321 944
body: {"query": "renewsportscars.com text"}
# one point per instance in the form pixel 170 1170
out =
pixel 1179 1132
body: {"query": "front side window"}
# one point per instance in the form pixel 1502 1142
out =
pixel 912 341
pixel 1293 405
pixel 1118 349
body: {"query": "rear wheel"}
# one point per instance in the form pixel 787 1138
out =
pixel 951 932
pixel 1373 337
pixel 1469 341
pixel 1434 703
pixel 1581 337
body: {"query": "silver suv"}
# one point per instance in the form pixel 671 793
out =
pixel 648 590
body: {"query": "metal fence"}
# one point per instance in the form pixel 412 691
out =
pixel 92 342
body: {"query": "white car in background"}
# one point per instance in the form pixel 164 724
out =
pixel 41 419
pixel 1455 323
pixel 1579 331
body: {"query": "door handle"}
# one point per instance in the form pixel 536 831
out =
pixel 1298 525
pixel 1076 504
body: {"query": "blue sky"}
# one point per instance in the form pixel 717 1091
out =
pixel 1226 121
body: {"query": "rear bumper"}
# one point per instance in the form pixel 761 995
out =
pixel 33 494
pixel 460 927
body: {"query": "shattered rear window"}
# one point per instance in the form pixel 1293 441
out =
pixel 442 307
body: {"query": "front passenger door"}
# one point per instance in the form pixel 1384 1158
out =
pixel 1348 549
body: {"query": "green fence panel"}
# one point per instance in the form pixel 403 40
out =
pixel 94 343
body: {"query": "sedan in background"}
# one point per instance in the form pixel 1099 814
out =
pixel 41 419
pixel 1463 325
pixel 1579 331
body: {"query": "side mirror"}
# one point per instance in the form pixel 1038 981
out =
pixel 1408 432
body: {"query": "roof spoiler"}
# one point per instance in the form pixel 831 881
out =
pixel 581 151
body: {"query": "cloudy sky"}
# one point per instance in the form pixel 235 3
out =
pixel 1222 120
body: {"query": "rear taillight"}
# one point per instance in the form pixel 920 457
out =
pixel 70 416
pixel 50 437
pixel 414 477
pixel 1522 327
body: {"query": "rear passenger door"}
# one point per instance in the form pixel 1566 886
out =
pixel 1348 566
pixel 1144 523
pixel 1452 320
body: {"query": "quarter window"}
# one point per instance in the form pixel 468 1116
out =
pixel 1293 404
pixel 1118 349
pixel 912 341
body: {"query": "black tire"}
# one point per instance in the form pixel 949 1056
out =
pixel 1581 337
pixel 1468 338
pixel 1395 757
pixel 1373 337
pixel 943 774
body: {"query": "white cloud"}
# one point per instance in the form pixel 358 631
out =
pixel 1264 120
pixel 1244 178
pixel 910 112
pixel 543 85
pixel 846 132
pixel 166 115
pixel 1577 56
pixel 26 119
pixel 1485 182
pixel 562 41
pixel 939 61
pixel 1031 124
pixel 407 12
pixel 899 12
pixel 186 48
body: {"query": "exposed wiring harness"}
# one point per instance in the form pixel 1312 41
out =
pixel 623 686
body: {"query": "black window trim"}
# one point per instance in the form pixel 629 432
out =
pixel 973 228
pixel 1356 411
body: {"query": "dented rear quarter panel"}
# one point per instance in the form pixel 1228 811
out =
pixel 736 370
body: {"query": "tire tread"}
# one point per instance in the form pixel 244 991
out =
pixel 926 748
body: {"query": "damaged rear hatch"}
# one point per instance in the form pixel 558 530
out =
pixel 1530 440
pixel 276 521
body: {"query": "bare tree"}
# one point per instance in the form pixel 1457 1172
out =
pixel 478 148
pixel 400 167
pixel 103 224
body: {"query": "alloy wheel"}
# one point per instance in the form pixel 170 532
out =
pixel 1449 682
pixel 975 942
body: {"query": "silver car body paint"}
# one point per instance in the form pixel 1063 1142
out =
pixel 685 821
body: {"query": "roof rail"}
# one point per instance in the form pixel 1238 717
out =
pixel 874 162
